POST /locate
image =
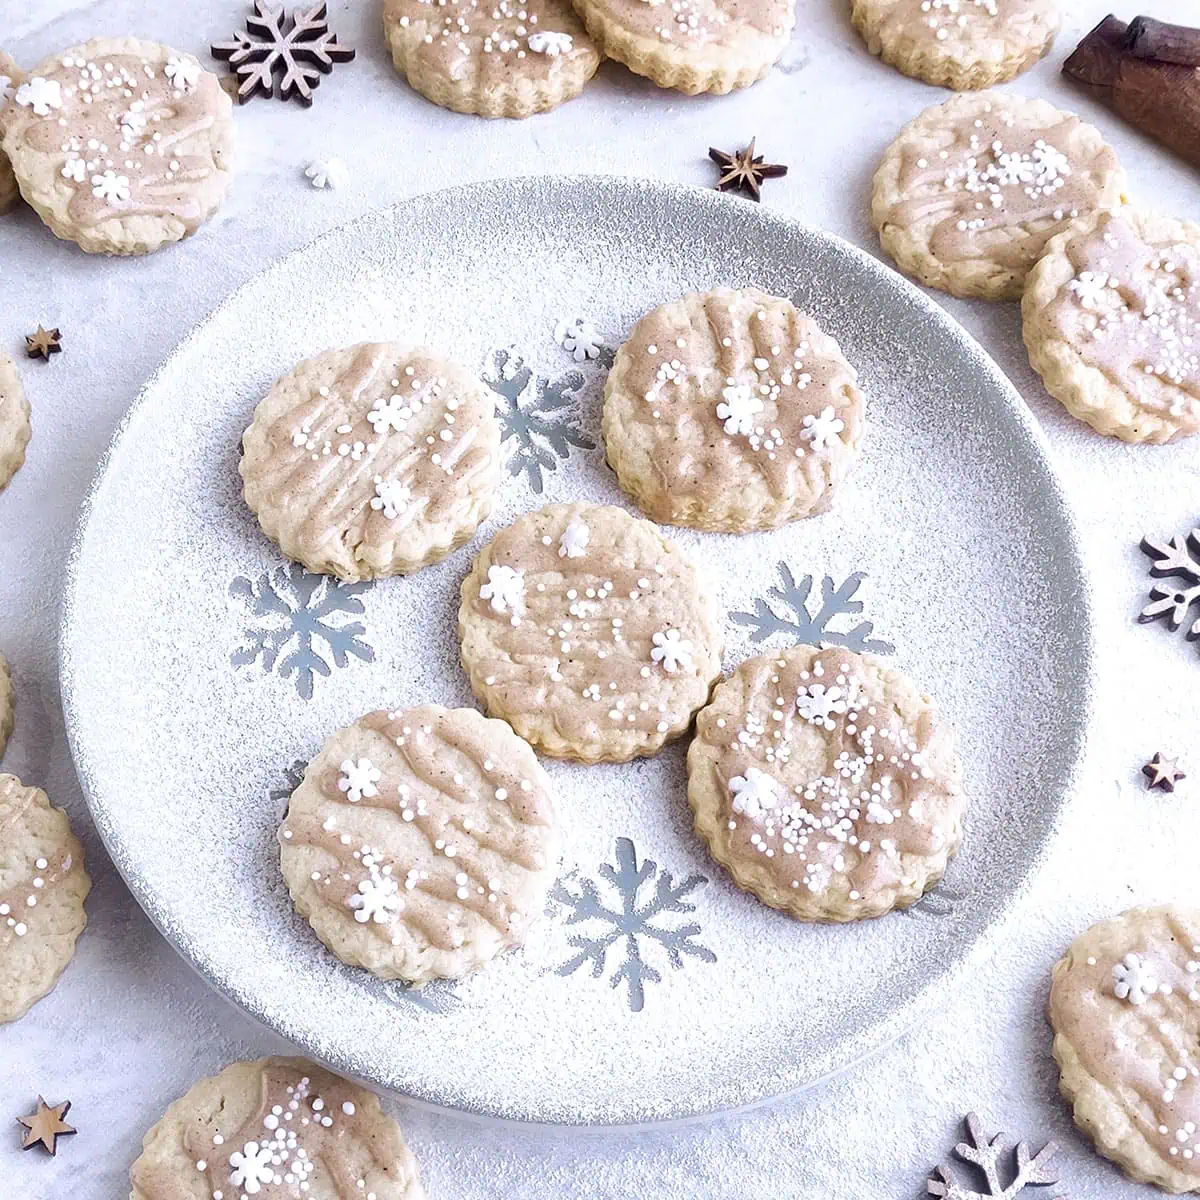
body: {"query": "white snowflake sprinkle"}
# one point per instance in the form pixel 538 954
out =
pixel 671 651
pixel 1133 980
pixel 41 95
pixel 252 1167
pixel 391 496
pixel 183 73
pixel 505 589
pixel 817 704
pixel 550 44
pixel 753 792
pixel 578 337
pixel 390 412
pixel 574 540
pixel 376 900
pixel 359 779
pixel 111 186
pixel 74 169
pixel 738 407
pixel 326 173
pixel 1089 287
pixel 823 429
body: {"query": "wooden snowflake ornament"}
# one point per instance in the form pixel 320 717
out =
pixel 1179 561
pixel 988 1155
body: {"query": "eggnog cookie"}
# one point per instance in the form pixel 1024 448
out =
pixel 589 632
pixel 43 885
pixel 122 146
pixel 7 723
pixel 510 58
pixel 968 195
pixel 825 783
pixel 278 1127
pixel 731 411
pixel 15 429
pixel 960 44
pixel 692 45
pixel 422 843
pixel 1112 324
pixel 370 461
pixel 11 78
pixel 1125 1008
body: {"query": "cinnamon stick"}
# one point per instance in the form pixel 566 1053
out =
pixel 1148 38
pixel 1159 97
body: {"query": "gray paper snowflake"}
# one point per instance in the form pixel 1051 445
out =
pixel 988 1156
pixel 293 777
pixel 1178 559
pixel 539 415
pixel 801 625
pixel 628 923
pixel 939 902
pixel 436 997
pixel 294 609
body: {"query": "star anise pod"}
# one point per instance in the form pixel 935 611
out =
pixel 745 171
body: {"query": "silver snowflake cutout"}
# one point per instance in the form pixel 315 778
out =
pixel 994 1158
pixel 292 778
pixel 621 919
pixel 436 997
pixel 1179 561
pixel 539 416
pixel 938 902
pixel 305 615
pixel 813 628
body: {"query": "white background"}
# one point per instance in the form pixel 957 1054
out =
pixel 129 1027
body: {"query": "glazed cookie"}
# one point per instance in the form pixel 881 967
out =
pixel 43 885
pixel 1125 1008
pixel 7 722
pixel 825 783
pixel 421 844
pixel 15 429
pixel 959 44
pixel 968 195
pixel 692 45
pixel 370 461
pixel 589 632
pixel 1112 324
pixel 11 78
pixel 275 1128
pixel 122 146
pixel 511 58
pixel 731 411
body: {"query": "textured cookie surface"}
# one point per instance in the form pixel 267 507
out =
pixel 15 428
pixel 11 78
pixel 1125 1008
pixel 510 58
pixel 732 411
pixel 961 44
pixel 421 843
pixel 825 783
pixel 589 632
pixel 1112 324
pixel 692 45
pixel 374 460
pixel 6 704
pixel 43 885
pixel 275 1129
pixel 971 191
pixel 121 145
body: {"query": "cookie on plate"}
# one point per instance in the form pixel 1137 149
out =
pixel 11 78
pixel 15 429
pixel 1112 324
pixel 275 1127
pixel 371 461
pixel 968 195
pixel 732 411
pixel 508 58
pixel 959 44
pixel 1125 1009
pixel 421 843
pixel 826 784
pixel 122 146
pixel 43 885
pixel 7 721
pixel 589 632
pixel 692 45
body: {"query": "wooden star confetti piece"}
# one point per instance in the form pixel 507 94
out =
pixel 43 343
pixel 46 1126
pixel 1163 773
pixel 744 171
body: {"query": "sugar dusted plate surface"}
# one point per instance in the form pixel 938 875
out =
pixel 200 671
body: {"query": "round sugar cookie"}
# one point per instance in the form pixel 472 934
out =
pixel 692 45
pixel 7 719
pixel 122 146
pixel 421 843
pixel 1125 1009
pixel 826 784
pixel 504 58
pixel 278 1127
pixel 15 428
pixel 968 195
pixel 373 460
pixel 43 885
pixel 731 411
pixel 959 44
pixel 11 78
pixel 589 632
pixel 1111 317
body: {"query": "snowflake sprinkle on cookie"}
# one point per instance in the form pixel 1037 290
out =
pixel 1133 980
pixel 1179 561
pixel 359 779
pixel 505 590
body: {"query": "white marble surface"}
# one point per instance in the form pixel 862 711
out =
pixel 130 1027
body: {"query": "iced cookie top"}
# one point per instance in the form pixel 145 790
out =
pixel 965 27
pixel 696 24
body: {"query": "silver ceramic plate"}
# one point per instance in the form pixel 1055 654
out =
pixel 200 670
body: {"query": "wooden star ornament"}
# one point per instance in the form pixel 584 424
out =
pixel 745 171
pixel 46 1126
pixel 43 343
pixel 1163 773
